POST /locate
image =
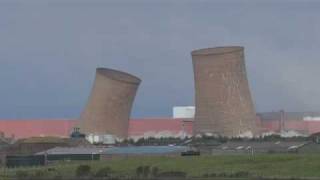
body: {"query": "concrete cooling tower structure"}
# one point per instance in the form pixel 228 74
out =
pixel 222 96
pixel 108 109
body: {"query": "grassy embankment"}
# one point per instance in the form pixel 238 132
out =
pixel 276 165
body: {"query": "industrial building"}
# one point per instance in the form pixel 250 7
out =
pixel 138 128
pixel 109 106
pixel 301 123
pixel 223 106
pixel 222 95
pixel 183 112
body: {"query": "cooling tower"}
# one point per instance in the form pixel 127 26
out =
pixel 222 96
pixel 109 106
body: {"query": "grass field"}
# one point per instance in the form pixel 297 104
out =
pixel 275 165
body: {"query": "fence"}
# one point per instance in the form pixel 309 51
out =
pixel 40 160
pixel 32 160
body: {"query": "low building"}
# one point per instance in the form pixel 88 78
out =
pixel 36 144
pixel 184 112
pixel 97 153
pixel 101 139
pixel 250 147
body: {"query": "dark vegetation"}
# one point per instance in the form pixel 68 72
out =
pixel 207 140
pixel 83 171
pixel 275 166
pixel 239 174
pixel 105 172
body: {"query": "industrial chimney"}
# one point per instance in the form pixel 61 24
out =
pixel 108 109
pixel 222 96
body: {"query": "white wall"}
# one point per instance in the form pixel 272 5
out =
pixel 183 112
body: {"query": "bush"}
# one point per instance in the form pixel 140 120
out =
pixel 223 174
pixel 154 171
pixel 22 174
pixel 57 177
pixel 39 174
pixel 172 174
pixel 209 175
pixel 143 171
pixel 241 174
pixel 51 169
pixel 83 170
pixel 139 171
pixel 103 172
pixel 146 171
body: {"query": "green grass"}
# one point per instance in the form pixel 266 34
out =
pixel 276 165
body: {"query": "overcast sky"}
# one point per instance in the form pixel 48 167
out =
pixel 49 51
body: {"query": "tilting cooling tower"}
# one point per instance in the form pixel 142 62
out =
pixel 223 101
pixel 109 106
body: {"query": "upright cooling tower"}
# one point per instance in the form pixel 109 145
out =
pixel 109 106
pixel 222 96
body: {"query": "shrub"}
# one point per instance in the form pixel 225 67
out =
pixel 154 171
pixel 22 174
pixel 103 172
pixel 209 175
pixel 146 171
pixel 39 174
pixel 171 174
pixel 139 171
pixel 51 169
pixel 223 174
pixel 143 171
pixel 241 174
pixel 57 177
pixel 83 170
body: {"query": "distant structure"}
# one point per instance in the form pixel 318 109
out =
pixel 183 112
pixel 222 96
pixel 108 109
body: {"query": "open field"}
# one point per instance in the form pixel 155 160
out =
pixel 271 165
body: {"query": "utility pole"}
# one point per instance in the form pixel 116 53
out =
pixel 282 119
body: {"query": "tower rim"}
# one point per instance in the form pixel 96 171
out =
pixel 216 50
pixel 118 75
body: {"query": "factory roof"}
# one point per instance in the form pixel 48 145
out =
pixel 145 150
pixel 73 150
pixel 115 150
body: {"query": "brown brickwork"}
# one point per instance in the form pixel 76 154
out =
pixel 222 96
pixel 109 106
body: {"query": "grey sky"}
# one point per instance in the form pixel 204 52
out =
pixel 49 51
